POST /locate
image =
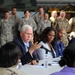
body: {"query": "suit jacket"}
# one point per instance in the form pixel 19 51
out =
pixel 26 57
pixel 59 46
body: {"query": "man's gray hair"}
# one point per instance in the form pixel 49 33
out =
pixel 24 27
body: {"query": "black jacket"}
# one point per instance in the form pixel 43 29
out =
pixel 26 57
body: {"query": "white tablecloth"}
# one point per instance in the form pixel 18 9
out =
pixel 41 70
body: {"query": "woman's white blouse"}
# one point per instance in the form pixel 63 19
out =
pixel 42 52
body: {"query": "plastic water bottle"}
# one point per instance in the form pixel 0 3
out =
pixel 19 66
pixel 46 62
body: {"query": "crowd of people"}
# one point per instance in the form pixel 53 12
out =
pixel 35 37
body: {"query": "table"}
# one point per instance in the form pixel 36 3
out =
pixel 41 70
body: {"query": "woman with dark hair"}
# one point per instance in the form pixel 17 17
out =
pixel 47 38
pixel 68 59
pixel 9 59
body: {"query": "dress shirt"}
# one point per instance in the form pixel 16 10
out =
pixel 65 71
pixel 45 51
pixel 59 48
pixel 26 46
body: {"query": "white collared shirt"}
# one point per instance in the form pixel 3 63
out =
pixel 26 46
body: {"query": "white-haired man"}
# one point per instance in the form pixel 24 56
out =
pixel 27 48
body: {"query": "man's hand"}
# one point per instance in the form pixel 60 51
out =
pixel 33 62
pixel 34 47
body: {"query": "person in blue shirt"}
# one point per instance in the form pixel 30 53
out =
pixel 59 46
pixel 67 61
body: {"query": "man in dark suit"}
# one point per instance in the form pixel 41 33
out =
pixel 28 49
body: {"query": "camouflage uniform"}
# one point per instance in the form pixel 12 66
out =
pixel 38 18
pixel 72 24
pixel 11 71
pixel 42 25
pixel 53 22
pixel 16 20
pixel 65 40
pixel 6 31
pixel 29 21
pixel 62 24
pixel 65 25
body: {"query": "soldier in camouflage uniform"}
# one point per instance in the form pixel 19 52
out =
pixel 72 24
pixel 62 22
pixel 27 20
pixel 72 28
pixel 16 20
pixel 43 24
pixel 10 59
pixel 6 25
pixel 53 19
pixel 39 15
